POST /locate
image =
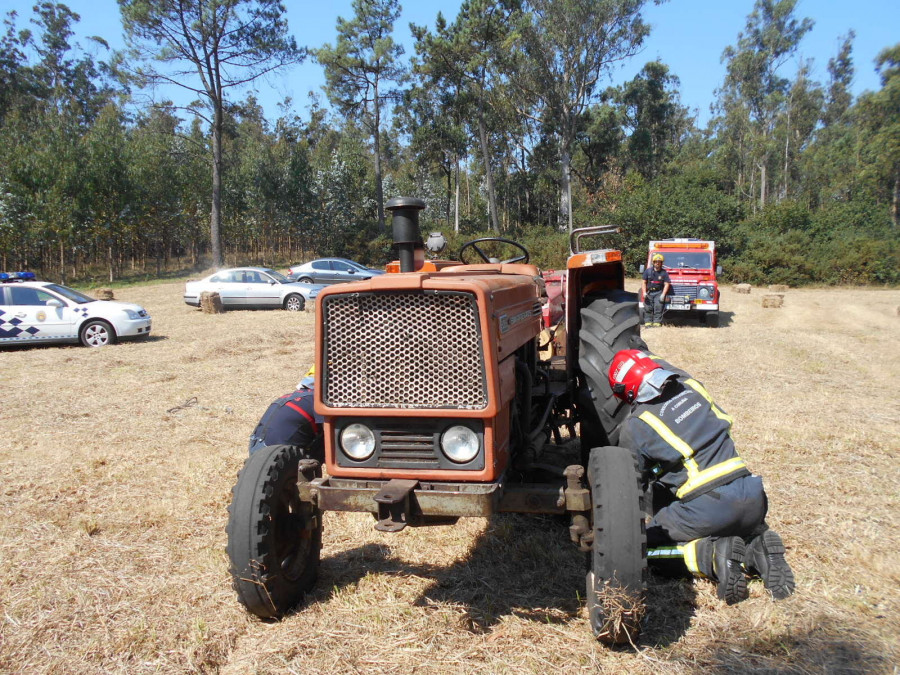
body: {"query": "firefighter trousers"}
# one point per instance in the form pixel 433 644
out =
pixel 736 509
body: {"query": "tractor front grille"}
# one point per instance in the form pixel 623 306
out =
pixel 409 350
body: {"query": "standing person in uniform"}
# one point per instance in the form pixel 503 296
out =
pixel 655 285
pixel 709 510
pixel 292 420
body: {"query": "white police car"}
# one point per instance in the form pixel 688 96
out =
pixel 38 311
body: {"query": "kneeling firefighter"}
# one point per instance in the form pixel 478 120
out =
pixel 709 510
pixel 292 420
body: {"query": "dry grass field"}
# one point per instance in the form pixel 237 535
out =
pixel 117 466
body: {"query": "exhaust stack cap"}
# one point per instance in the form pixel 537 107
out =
pixel 405 226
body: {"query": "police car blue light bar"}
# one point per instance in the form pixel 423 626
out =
pixel 17 276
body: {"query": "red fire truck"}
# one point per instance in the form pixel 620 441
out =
pixel 693 267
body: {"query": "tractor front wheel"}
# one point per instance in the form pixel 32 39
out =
pixel 608 324
pixel 274 538
pixel 617 562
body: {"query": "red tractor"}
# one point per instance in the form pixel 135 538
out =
pixel 438 406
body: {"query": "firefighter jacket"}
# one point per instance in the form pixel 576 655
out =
pixel 656 280
pixel 682 439
pixel 290 420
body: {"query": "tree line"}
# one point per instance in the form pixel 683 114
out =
pixel 502 119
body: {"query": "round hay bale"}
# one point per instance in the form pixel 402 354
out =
pixel 778 288
pixel 773 300
pixel 105 294
pixel 211 302
pixel 743 288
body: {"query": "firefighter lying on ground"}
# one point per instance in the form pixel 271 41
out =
pixel 709 510
pixel 291 420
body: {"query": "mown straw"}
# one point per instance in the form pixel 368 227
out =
pixel 115 489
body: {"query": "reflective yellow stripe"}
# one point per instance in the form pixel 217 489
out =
pixel 710 474
pixel 672 439
pixel 668 552
pixel 690 558
pixel 696 386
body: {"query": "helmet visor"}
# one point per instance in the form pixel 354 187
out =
pixel 653 384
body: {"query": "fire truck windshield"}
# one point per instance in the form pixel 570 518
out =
pixel 689 260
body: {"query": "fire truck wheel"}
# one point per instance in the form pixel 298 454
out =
pixel 712 319
pixel 608 324
pixel 617 562
pixel 274 538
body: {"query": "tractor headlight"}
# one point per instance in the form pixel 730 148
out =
pixel 460 444
pixel 358 442
pixel 705 292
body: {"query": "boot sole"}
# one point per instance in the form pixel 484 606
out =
pixel 733 588
pixel 777 574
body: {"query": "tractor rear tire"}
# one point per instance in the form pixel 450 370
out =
pixel 609 324
pixel 274 538
pixel 617 562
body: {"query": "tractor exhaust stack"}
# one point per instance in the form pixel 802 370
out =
pixel 405 226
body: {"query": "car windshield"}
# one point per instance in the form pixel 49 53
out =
pixel 70 294
pixel 278 276
pixel 691 260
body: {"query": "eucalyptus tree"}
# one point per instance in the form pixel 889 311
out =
pixel 431 118
pixel 566 47
pixel 208 47
pixel 463 57
pixel 879 120
pixel 360 68
pixel 755 95
pixel 655 120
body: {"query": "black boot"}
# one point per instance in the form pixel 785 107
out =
pixel 720 559
pixel 728 557
pixel 765 558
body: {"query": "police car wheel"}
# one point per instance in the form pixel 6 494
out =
pixel 617 561
pixel 274 538
pixel 97 333
pixel 294 303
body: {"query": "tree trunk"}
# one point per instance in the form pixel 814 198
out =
pixel 379 190
pixel 762 185
pixel 216 210
pixel 486 158
pixel 62 260
pixel 895 203
pixel 456 203
pixel 565 197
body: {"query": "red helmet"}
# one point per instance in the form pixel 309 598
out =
pixel 634 376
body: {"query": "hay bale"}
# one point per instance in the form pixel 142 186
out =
pixel 211 302
pixel 105 294
pixel 778 288
pixel 773 300
pixel 743 288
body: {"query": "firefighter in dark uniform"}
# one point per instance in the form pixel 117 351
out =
pixel 709 510
pixel 292 420
pixel 655 285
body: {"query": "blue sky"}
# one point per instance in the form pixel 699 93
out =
pixel 688 35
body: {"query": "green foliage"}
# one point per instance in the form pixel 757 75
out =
pixel 796 182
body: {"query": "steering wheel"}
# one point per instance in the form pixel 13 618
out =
pixel 486 258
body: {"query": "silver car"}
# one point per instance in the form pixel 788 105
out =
pixel 252 287
pixel 331 271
